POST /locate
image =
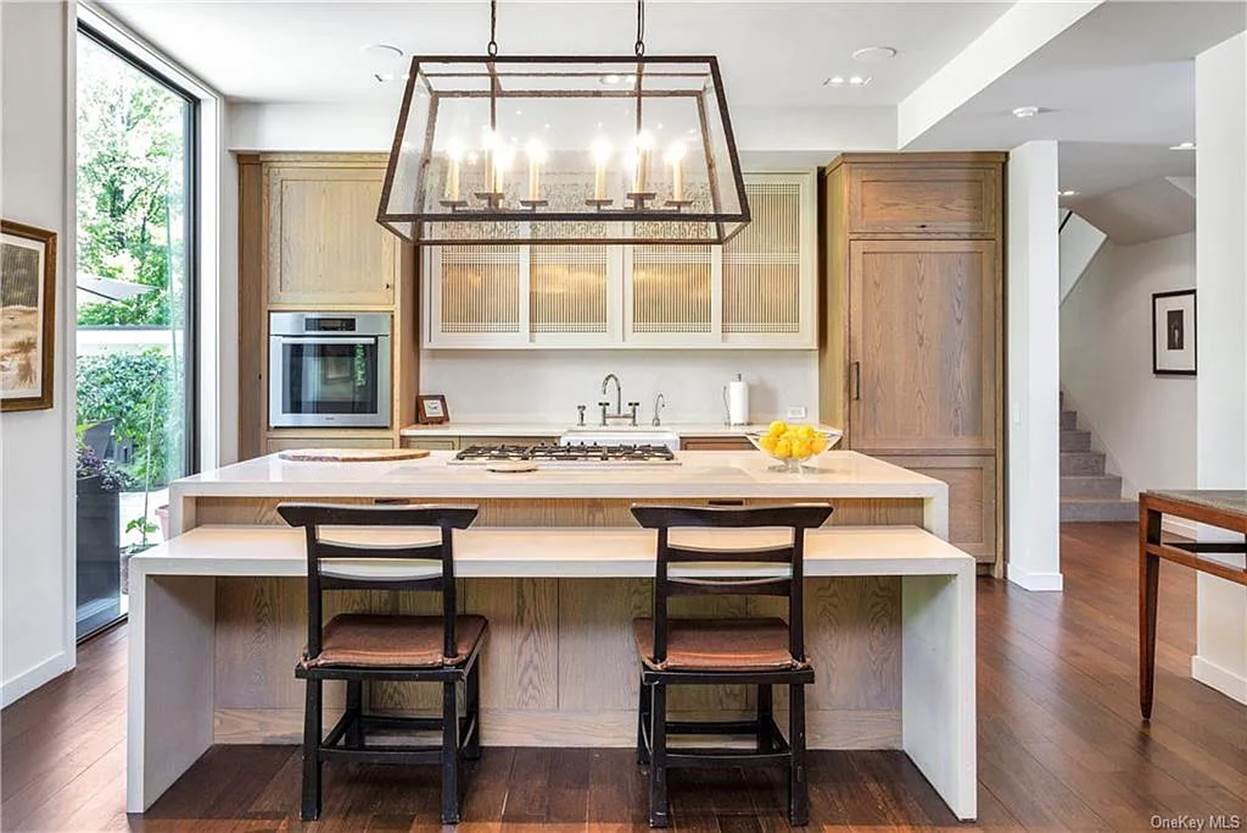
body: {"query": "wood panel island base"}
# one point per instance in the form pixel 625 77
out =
pixel 558 566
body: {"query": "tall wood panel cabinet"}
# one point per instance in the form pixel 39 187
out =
pixel 911 353
pixel 309 240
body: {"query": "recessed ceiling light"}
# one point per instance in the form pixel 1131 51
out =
pixel 381 50
pixel 389 77
pixel 1027 112
pixel 833 81
pixel 852 81
pixel 1067 192
pixel 874 54
pixel 859 80
pixel 1183 146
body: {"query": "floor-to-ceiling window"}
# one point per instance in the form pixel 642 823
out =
pixel 136 175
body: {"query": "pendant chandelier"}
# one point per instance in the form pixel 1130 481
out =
pixel 499 150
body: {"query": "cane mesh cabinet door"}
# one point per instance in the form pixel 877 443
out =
pixel 770 266
pixel 922 346
pixel 474 295
pixel 574 293
pixel 324 246
pixel 672 297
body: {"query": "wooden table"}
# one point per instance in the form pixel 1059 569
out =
pixel 1226 509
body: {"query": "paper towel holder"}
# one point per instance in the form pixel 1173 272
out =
pixel 727 404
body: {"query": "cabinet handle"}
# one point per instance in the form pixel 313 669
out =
pixel 857 380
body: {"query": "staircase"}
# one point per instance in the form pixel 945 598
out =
pixel 1087 493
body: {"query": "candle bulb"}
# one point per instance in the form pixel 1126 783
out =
pixel 489 146
pixel 675 158
pixel 601 150
pixel 536 157
pixel 454 153
pixel 503 156
pixel 644 146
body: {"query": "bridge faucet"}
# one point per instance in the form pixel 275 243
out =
pixel 660 402
pixel 618 393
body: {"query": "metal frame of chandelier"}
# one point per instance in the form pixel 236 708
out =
pixel 523 150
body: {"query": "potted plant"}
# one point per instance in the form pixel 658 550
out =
pixel 99 483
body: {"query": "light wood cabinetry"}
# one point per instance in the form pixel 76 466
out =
pixel 309 240
pixel 715 444
pixel 278 443
pixel 431 443
pixel 911 359
pixel 757 291
pixel 323 245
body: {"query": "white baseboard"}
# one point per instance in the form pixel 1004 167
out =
pixel 1223 680
pixel 1179 526
pixel 1038 582
pixel 26 682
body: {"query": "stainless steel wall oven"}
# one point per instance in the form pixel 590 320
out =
pixel 329 369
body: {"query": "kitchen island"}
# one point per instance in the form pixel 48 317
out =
pixel 559 567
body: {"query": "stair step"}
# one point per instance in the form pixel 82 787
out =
pixel 1082 462
pixel 1069 420
pixel 1099 509
pixel 1075 440
pixel 1096 485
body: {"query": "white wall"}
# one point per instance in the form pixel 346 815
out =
pixel 37 615
pixel 1145 423
pixel 1221 318
pixel 1079 243
pixel 546 385
pixel 1033 267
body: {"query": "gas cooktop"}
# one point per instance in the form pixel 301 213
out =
pixel 567 455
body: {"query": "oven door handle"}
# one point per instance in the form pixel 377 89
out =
pixel 328 339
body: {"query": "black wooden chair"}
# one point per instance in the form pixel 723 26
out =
pixel 761 652
pixel 362 647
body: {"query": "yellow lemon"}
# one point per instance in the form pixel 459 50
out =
pixel 801 449
pixel 767 442
pixel 777 428
pixel 806 431
pixel 783 449
pixel 819 444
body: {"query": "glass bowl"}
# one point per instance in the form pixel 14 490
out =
pixel 791 463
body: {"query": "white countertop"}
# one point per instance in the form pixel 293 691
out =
pixel 701 474
pixel 548 429
pixel 599 552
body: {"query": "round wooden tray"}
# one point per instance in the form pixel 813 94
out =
pixel 352 455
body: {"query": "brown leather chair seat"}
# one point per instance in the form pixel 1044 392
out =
pixel 718 644
pixel 393 641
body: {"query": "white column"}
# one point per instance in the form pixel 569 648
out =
pixel 1033 273
pixel 1221 317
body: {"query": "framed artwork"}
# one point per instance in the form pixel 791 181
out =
pixel 431 409
pixel 27 316
pixel 1173 333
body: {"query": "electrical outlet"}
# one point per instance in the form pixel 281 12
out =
pixel 794 413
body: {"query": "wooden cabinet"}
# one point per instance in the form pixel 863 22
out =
pixel 972 506
pixel 911 360
pixel 431 443
pixel 718 443
pixel 308 239
pixel 328 441
pixel 324 247
pixel 759 290
pixel 912 197
pixel 922 345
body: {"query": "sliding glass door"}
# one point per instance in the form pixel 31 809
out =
pixel 136 174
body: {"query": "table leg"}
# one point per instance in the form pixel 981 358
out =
pixel 938 719
pixel 1149 575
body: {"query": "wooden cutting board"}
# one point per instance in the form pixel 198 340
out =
pixel 352 455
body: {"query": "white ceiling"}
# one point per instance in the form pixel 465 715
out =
pixel 773 54
pixel 1117 89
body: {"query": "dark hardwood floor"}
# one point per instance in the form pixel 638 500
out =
pixel 1061 745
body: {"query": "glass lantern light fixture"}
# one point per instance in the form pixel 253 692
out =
pixel 564 149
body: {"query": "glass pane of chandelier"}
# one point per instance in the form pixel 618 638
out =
pixel 564 149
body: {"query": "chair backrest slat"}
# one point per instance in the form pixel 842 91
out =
pixel 797 518
pixel 355 565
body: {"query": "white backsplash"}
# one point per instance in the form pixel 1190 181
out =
pixel 547 385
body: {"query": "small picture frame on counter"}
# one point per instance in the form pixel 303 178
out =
pixel 431 409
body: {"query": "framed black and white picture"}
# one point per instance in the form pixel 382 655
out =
pixel 1173 333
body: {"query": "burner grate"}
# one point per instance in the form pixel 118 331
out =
pixel 551 453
